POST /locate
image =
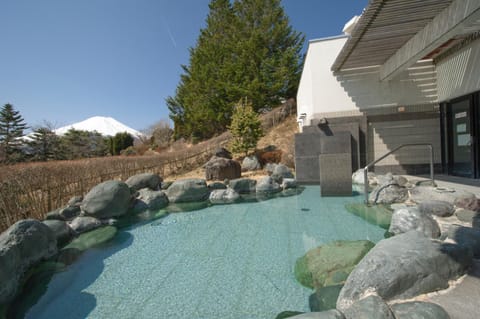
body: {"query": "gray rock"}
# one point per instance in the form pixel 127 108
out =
pixel 70 212
pixel 468 202
pixel 324 298
pixel 405 266
pixel 289 183
pixel 66 213
pixel 270 167
pixel 108 199
pixel 329 314
pixel 250 163
pixel 359 178
pixel 84 224
pixel 224 196
pixel 144 180
pixel 243 185
pixel 419 310
pixel 75 201
pixel 371 307
pixel 165 185
pixel 150 199
pixel 219 168
pixel 216 185
pixel 420 194
pixel 437 207
pixel 22 245
pixel 223 152
pixel 280 172
pixel 267 185
pixel 466 236
pixel 188 190
pixel 54 215
pixel 385 179
pixel 63 233
pixel 465 215
pixel 388 193
pixel 407 219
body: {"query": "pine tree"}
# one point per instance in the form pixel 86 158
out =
pixel 45 145
pixel 246 127
pixel 246 49
pixel 12 126
pixel 200 107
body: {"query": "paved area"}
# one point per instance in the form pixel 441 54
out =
pixel 462 301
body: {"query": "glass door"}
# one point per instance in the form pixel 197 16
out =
pixel 461 152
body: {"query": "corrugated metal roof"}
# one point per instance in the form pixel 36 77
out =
pixel 384 27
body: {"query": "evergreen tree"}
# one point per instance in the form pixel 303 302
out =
pixel 246 49
pixel 45 145
pixel 119 142
pixel 83 144
pixel 246 127
pixel 12 126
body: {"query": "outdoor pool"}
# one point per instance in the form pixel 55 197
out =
pixel 225 261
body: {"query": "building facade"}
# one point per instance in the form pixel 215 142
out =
pixel 409 73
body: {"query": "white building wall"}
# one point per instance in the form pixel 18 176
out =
pixel 359 90
pixel 459 73
pixel 318 87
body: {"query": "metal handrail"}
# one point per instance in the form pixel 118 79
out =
pixel 365 170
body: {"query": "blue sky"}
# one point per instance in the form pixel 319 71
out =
pixel 63 61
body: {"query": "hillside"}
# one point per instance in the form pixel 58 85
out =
pixel 282 136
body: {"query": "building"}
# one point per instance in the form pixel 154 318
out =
pixel 409 72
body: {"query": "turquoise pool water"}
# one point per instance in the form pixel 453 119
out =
pixel 232 261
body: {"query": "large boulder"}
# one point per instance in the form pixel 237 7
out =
pixel 466 236
pixel 288 183
pixel 371 307
pixel 66 213
pixel 418 310
pixel 250 163
pixel 388 193
pixel 224 196
pixel 330 264
pixel 188 190
pixel 22 245
pixel 82 224
pixel 468 202
pixel 389 178
pixel 437 207
pixel 219 168
pixel 405 266
pixel 63 233
pixel 411 218
pixel 144 180
pixel 419 194
pixel 267 185
pixel 150 199
pixel 108 199
pixel 280 172
pixel 243 185
pixel 358 178
pixel 223 152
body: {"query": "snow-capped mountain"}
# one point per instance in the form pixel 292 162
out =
pixel 104 125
